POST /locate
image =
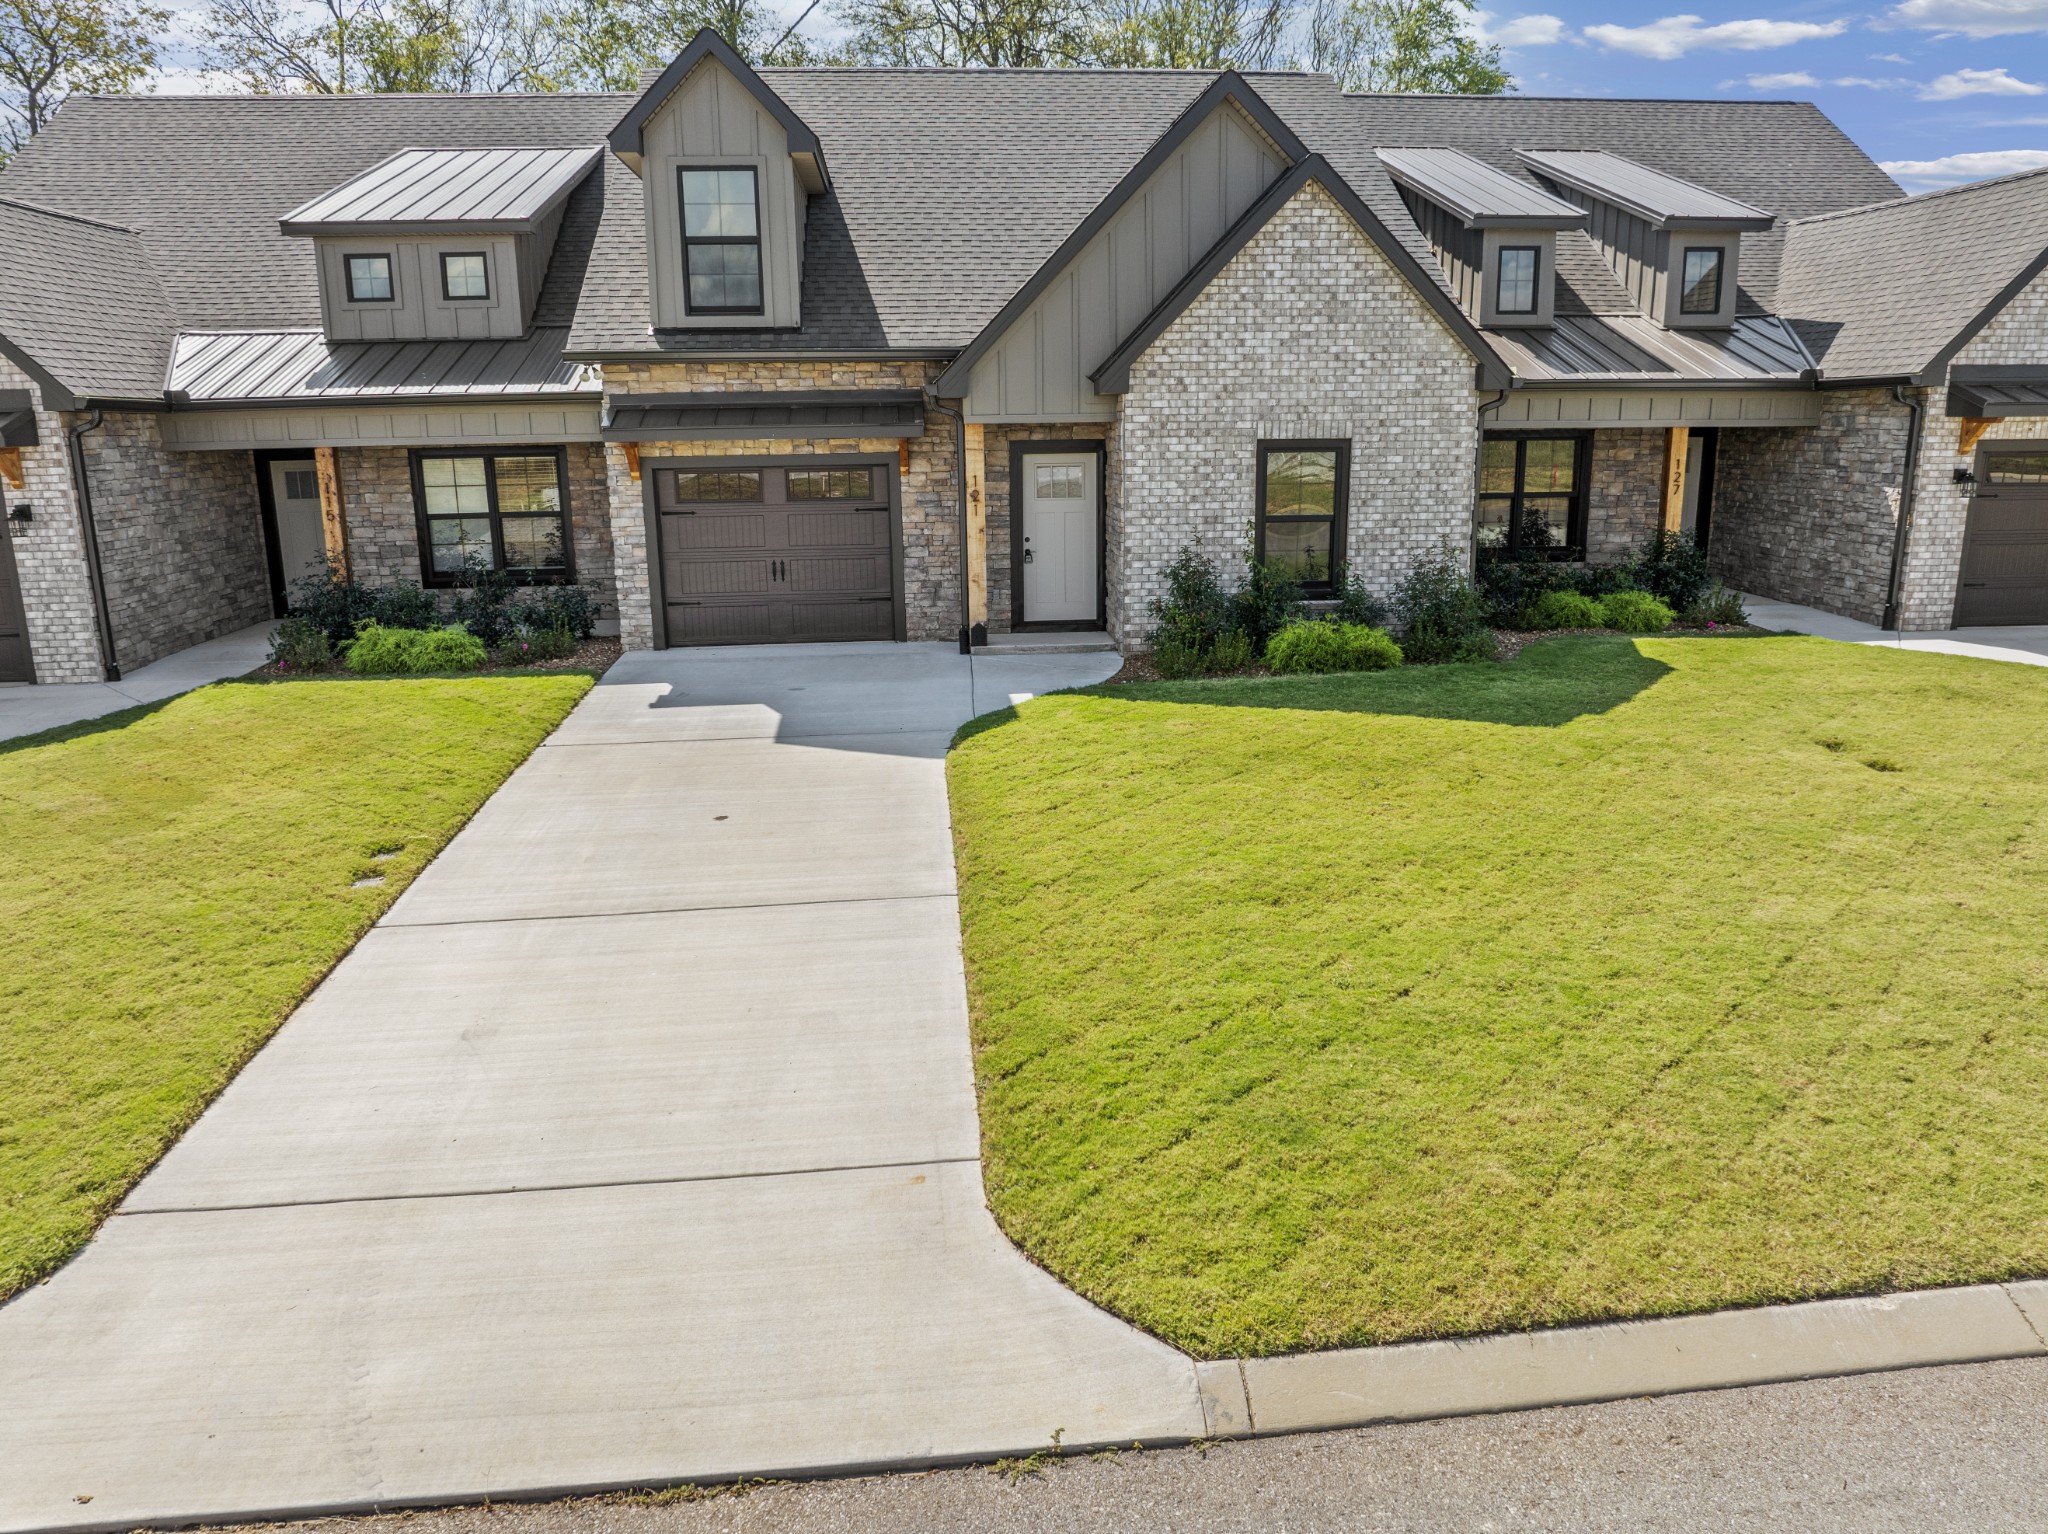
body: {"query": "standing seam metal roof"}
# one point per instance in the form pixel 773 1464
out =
pixel 1663 199
pixel 511 188
pixel 1483 197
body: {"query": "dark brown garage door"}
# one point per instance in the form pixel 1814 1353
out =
pixel 15 664
pixel 773 554
pixel 2005 544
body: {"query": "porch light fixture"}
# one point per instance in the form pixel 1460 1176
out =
pixel 21 512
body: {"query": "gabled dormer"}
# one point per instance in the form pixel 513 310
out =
pixel 1494 234
pixel 439 244
pixel 727 171
pixel 1676 247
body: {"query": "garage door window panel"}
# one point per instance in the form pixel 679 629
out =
pixel 505 511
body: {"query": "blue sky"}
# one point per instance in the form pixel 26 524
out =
pixel 1938 91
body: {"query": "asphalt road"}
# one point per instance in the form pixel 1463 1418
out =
pixel 1962 1448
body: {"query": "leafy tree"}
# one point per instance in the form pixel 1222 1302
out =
pixel 391 45
pixel 50 49
pixel 610 42
pixel 1190 34
pixel 1403 45
pixel 994 33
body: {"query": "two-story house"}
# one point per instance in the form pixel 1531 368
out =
pixel 828 354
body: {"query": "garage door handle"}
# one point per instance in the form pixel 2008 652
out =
pixel 874 599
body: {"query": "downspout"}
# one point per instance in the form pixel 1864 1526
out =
pixel 1478 477
pixel 95 577
pixel 1890 620
pixel 960 497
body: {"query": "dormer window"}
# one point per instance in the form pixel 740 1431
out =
pixel 722 239
pixel 1700 290
pixel 465 274
pixel 1515 286
pixel 369 280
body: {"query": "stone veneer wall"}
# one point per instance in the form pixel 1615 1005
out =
pixel 181 540
pixel 931 539
pixel 1624 492
pixel 383 530
pixel 1807 513
pixel 49 552
pixel 996 441
pixel 1308 332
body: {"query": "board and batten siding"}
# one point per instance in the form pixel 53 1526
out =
pixel 416 310
pixel 1038 370
pixel 370 425
pixel 1460 251
pixel 712 119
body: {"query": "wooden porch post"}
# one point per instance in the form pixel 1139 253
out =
pixel 977 532
pixel 1676 439
pixel 333 527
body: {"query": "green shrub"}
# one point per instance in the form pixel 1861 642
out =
pixel 405 607
pixel 538 644
pixel 1311 646
pixel 1175 659
pixel 1672 566
pixel 1718 608
pixel 484 605
pixel 414 652
pixel 1567 610
pixel 300 644
pixel 1191 614
pixel 1634 612
pixel 1266 603
pixel 1441 612
pixel 331 604
pixel 1230 651
pixel 1357 605
pixel 575 608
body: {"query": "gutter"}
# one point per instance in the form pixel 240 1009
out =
pixel 1890 620
pixel 95 576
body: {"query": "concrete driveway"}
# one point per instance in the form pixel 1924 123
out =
pixel 636 1144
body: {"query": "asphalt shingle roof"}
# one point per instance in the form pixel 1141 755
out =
pixel 94 317
pixel 1881 292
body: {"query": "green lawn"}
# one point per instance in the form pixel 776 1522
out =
pixel 1629 978
pixel 174 880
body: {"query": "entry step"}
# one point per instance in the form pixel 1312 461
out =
pixel 1072 643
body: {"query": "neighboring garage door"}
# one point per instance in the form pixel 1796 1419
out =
pixel 2005 544
pixel 773 553
pixel 15 663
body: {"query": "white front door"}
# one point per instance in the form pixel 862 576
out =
pixel 1062 553
pixel 301 545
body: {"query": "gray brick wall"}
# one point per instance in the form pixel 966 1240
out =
pixel 997 440
pixel 931 536
pixel 49 552
pixel 1309 332
pixel 383 530
pixel 1807 513
pixel 181 539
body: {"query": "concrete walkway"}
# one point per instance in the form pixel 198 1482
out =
pixel 2026 644
pixel 636 1144
pixel 26 710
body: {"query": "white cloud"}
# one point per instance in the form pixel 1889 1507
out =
pixel 1954 169
pixel 1973 18
pixel 1537 31
pixel 1794 79
pixel 1672 37
pixel 1869 84
pixel 1979 82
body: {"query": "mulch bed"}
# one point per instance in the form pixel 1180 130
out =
pixel 591 655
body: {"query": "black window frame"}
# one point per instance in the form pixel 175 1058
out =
pixel 1573 549
pixel 1720 255
pixel 434 579
pixel 690 307
pixel 1535 253
pixel 1340 502
pixel 465 298
pixel 348 275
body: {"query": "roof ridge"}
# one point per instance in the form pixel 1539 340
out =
pixel 76 218
pixel 1508 96
pixel 1918 197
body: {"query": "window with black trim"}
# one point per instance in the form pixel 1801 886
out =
pixel 465 274
pixel 1302 488
pixel 1700 290
pixel 495 511
pixel 1532 496
pixel 721 239
pixel 1514 290
pixel 369 279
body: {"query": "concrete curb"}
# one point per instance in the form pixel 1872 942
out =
pixel 1308 1392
